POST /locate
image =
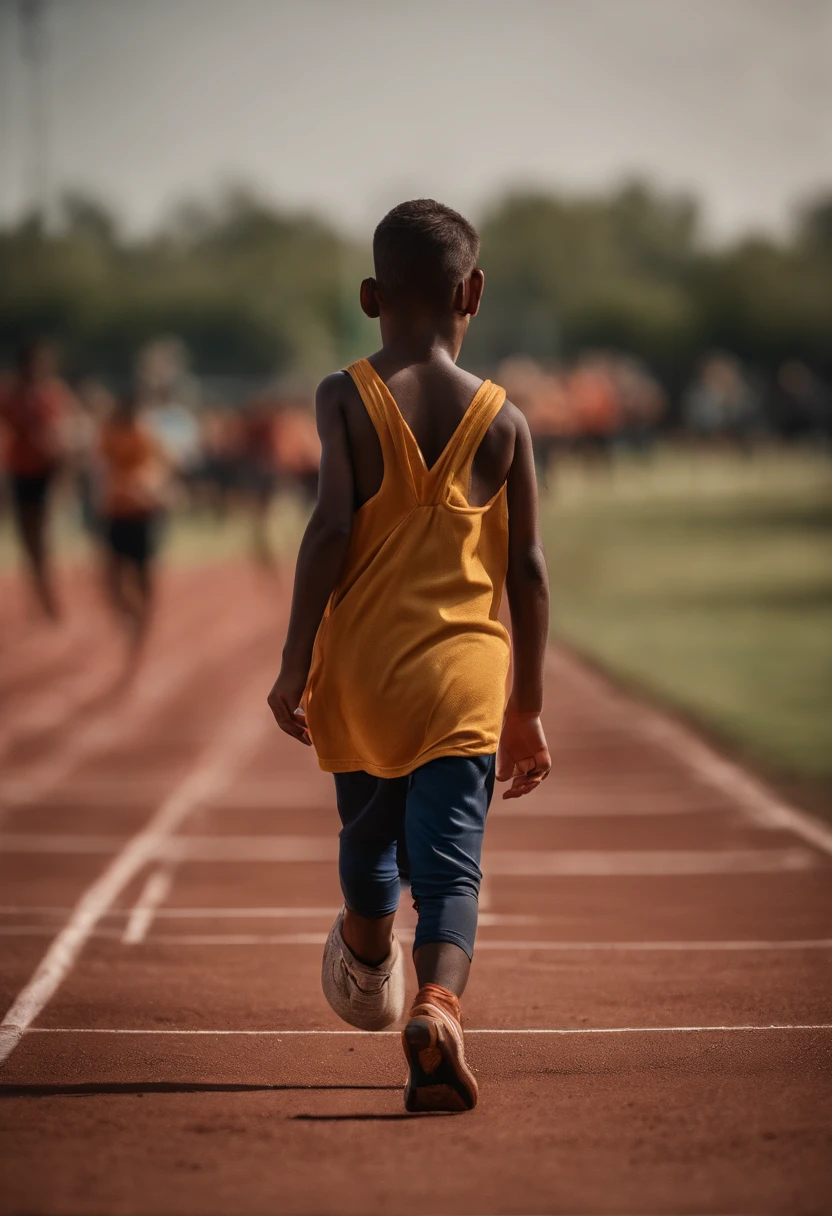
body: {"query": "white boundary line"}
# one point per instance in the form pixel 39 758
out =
pixel 318 939
pixel 406 935
pixel 216 765
pixel 219 913
pixel 155 892
pixel 760 804
pixel 542 863
pixel 375 1033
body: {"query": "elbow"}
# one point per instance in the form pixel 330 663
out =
pixel 528 566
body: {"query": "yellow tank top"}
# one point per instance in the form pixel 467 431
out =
pixel 410 661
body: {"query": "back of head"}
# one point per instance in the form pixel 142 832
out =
pixel 422 251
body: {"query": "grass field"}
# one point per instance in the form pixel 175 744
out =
pixel 708 582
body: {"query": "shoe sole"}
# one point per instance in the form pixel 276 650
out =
pixel 439 1080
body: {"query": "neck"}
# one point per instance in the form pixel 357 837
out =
pixel 423 339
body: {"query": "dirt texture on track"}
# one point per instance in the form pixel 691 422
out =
pixel 649 1011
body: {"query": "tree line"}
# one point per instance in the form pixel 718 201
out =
pixel 254 290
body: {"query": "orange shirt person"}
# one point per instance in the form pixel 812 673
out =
pixel 134 474
pixel 426 511
pixel 34 409
pixel 298 449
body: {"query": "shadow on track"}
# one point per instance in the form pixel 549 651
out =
pixel 90 1089
pixel 372 1118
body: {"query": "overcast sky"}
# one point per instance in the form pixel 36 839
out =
pixel 350 105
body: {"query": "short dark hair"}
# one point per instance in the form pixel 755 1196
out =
pixel 424 248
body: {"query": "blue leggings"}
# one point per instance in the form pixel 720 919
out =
pixel 425 829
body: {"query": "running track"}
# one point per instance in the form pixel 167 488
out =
pixel 649 1012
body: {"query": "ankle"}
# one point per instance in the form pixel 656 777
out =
pixel 367 942
pixel 435 994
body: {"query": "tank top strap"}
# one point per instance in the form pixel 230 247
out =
pixel 455 462
pixel 385 416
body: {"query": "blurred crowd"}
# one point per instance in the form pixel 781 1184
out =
pixel 126 458
pixel 215 455
pixel 606 402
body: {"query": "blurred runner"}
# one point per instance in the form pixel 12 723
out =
pixel 94 405
pixel 598 408
pixel 219 468
pixel 721 404
pixel 34 409
pixel 298 450
pixel 177 431
pixel 259 473
pixel 135 472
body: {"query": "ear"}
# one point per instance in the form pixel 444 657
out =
pixel 368 295
pixel 469 293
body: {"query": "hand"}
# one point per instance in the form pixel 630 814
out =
pixel 284 702
pixel 523 754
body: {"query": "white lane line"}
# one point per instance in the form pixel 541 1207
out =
pixel 608 805
pixel 216 913
pixel 102 791
pixel 223 913
pixel 245 939
pixel 216 766
pixel 759 803
pixel 36 842
pixel 822 943
pixel 303 797
pixel 406 935
pixel 318 939
pixel 576 863
pixel 497 1030
pixel 155 892
pixel 585 863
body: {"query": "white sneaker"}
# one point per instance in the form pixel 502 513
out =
pixel 367 997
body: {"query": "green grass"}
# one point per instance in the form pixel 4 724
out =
pixel 707 580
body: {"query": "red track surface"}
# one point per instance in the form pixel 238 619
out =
pixel 167 866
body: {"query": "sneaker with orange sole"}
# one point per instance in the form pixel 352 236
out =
pixel 440 1079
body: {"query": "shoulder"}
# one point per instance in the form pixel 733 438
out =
pixel 335 390
pixel 510 423
pixel 333 394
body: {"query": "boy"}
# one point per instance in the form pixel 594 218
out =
pixel 134 470
pixel 426 505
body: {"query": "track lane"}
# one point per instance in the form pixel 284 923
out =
pixel 628 1119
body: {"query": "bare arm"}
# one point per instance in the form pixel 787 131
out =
pixel 527 581
pixel 320 558
pixel 523 754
